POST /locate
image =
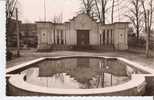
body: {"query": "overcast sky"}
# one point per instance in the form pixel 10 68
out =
pixel 33 10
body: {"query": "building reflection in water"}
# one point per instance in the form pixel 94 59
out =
pixel 77 73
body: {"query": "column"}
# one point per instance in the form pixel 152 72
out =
pixel 56 36
pixel 110 39
pixel 60 38
pixel 102 37
pixel 64 36
pixel 48 34
pixel 66 32
pixel 52 37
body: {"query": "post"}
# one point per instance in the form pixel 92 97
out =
pixel 148 36
pixel 44 10
pixel 18 34
pixel 111 79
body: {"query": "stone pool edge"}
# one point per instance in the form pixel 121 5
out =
pixel 128 88
pixel 135 86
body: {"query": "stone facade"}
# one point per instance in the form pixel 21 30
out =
pixel 82 31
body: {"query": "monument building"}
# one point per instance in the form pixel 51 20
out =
pixel 82 32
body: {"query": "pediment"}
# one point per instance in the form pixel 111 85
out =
pixel 83 21
pixel 83 17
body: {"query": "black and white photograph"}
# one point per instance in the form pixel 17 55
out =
pixel 79 48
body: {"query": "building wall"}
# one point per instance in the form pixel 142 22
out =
pixel 67 34
pixel 71 35
pixel 121 37
pixel 44 35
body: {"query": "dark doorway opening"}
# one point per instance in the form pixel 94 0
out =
pixel 82 39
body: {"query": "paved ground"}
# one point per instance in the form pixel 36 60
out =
pixel 138 57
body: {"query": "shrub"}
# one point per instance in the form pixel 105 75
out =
pixel 9 55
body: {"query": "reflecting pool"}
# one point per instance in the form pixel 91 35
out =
pixel 78 73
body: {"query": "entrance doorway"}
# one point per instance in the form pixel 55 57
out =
pixel 83 39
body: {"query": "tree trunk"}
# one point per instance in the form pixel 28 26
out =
pixel 103 12
pixel 112 13
pixel 137 19
pixel 18 34
pixel 148 37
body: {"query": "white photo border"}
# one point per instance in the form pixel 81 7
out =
pixel 3 66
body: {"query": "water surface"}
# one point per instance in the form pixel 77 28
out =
pixel 78 73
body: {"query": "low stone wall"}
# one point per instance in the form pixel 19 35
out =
pixel 14 91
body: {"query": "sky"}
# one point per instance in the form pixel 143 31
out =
pixel 33 10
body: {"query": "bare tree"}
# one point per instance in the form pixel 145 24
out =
pixel 10 8
pixel 10 12
pixel 151 14
pixel 145 14
pixel 95 8
pixel 88 6
pixel 112 12
pixel 136 16
pixel 148 17
pixel 98 13
pixel 103 3
pixel 101 10
pixel 18 33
